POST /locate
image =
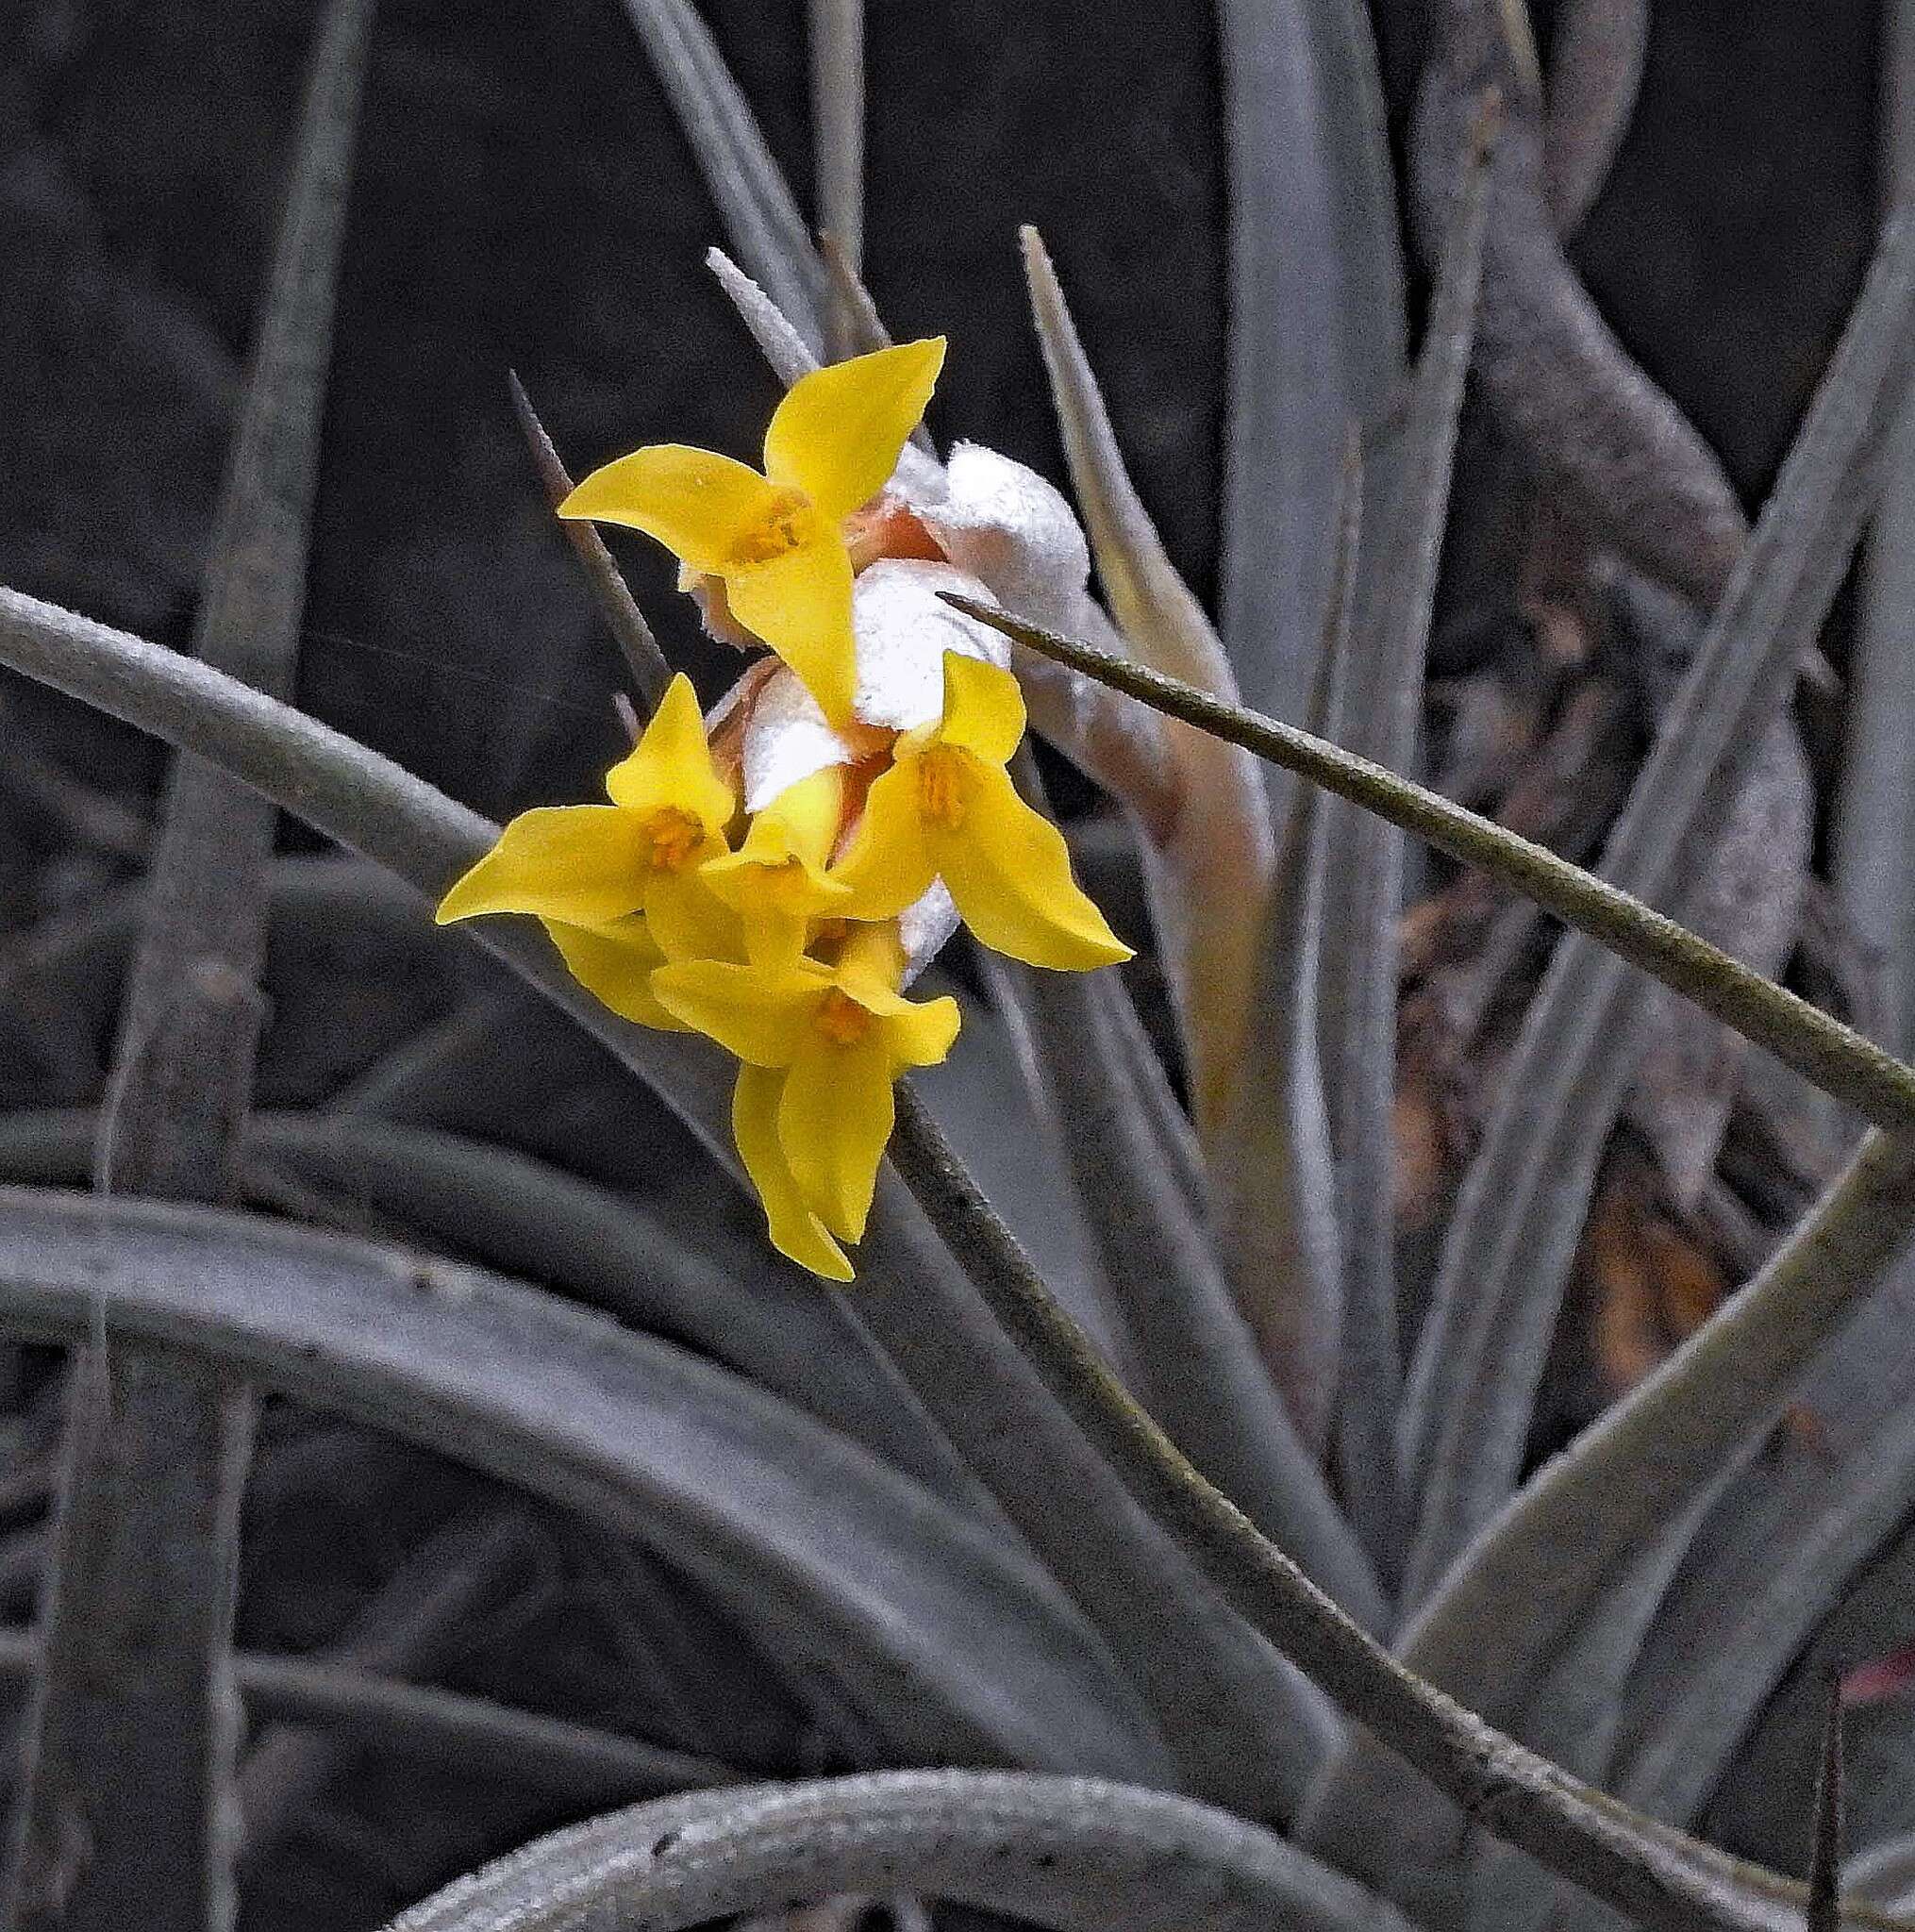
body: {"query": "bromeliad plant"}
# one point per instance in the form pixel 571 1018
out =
pixel 867 822
pixel 1286 1598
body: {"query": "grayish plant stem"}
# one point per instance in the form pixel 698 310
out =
pixel 1835 1058
pixel 616 604
pixel 837 48
pixel 131 1731
pixel 1668 1882
pixel 443 1728
pixel 1056 1852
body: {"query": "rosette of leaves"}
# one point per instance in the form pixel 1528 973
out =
pixel 1162 1531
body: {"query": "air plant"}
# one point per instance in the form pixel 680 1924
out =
pixel 1214 1570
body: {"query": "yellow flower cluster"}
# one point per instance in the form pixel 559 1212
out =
pixel 778 933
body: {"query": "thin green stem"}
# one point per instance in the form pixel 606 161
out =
pixel 1835 1058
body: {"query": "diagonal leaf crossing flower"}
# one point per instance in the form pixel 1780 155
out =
pixel 594 866
pixel 839 1036
pixel 776 540
pixel 947 809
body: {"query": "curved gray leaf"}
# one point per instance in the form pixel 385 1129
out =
pixel 948 1644
pixel 1316 317
pixel 1508 1246
pixel 1537 1623
pixel 1072 1855
pixel 759 214
pixel 733 1300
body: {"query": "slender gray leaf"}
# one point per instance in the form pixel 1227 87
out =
pixel 759 213
pixel 1273 1181
pixel 837 45
pixel 1209 872
pixel 1874 804
pixel 132 1725
pixel 1316 316
pixel 1197 1367
pixel 1536 1623
pixel 1056 1852
pixel 729 1297
pixel 1508 1246
pixel 1765 1795
pixel 1364 860
pixel 1775 1556
pixel 950 1644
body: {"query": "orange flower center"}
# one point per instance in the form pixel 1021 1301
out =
pixel 841 1019
pixel 940 787
pixel 778 532
pixel 674 835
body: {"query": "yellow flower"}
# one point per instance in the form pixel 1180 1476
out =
pixel 591 867
pixel 776 540
pixel 776 881
pixel 948 809
pixel 821 1047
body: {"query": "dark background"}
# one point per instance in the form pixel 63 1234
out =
pixel 525 198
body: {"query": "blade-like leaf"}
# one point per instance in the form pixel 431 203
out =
pixel 716 1289
pixel 1824 1865
pixel 616 604
pixel 1538 1621
pixel 1197 1368
pixel 133 1722
pixel 1363 868
pixel 1052 1851
pixel 836 38
pixel 947 1643
pixel 759 213
pixel 1272 1179
pixel 1316 316
pixel 1774 1556
pixel 1211 877
pixel 1508 1246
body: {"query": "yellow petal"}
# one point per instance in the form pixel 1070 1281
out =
pixel 693 501
pixel 921 1033
pixel 837 433
pixel 984 711
pixel 1009 871
pixel 794 1230
pixel 835 1118
pixel 761 1013
pixel 800 604
pixel 671 766
pixel 585 864
pixel 689 921
pixel 614 964
pixel 887 864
